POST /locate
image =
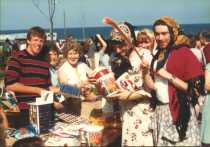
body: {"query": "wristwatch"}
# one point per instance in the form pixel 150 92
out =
pixel 172 78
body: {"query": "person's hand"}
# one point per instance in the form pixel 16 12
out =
pixel 54 89
pixel 40 90
pixel 108 20
pixel 83 84
pixel 120 95
pixel 85 90
pixel 14 109
pixel 98 35
pixel 58 105
pixel 144 66
pixel 92 80
pixel 124 95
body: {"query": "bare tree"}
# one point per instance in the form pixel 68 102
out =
pixel 51 13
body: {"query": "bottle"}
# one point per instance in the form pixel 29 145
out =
pixel 83 138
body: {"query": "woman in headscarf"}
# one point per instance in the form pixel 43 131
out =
pixel 179 80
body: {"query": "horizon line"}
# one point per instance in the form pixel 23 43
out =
pixel 100 27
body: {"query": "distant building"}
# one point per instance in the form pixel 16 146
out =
pixel 14 36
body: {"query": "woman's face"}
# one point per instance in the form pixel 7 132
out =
pixel 162 36
pixel 145 42
pixel 73 57
pixel 121 49
pixel 53 57
pixel 198 44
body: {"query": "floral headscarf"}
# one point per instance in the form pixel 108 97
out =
pixel 175 30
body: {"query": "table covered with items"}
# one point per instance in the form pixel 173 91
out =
pixel 89 117
pixel 57 129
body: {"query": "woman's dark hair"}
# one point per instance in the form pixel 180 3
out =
pixel 131 27
pixel 49 46
pixel 52 47
pixel 29 142
pixel 193 39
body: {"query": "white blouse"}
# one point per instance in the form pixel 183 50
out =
pixel 67 74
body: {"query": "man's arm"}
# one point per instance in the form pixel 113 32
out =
pixel 3 118
pixel 178 83
pixel 18 87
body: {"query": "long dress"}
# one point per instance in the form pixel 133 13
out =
pixel 205 123
pixel 136 116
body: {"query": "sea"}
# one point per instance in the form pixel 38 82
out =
pixel 86 32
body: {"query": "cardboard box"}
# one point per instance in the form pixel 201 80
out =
pixel 81 108
pixel 72 104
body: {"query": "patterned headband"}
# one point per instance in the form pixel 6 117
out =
pixel 117 36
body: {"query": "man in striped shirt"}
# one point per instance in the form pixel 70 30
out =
pixel 27 71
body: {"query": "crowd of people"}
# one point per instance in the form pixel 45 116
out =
pixel 174 68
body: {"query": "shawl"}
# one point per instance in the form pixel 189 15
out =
pixel 183 64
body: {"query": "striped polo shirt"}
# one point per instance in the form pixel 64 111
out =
pixel 28 70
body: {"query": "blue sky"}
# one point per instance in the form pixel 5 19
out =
pixel 22 14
